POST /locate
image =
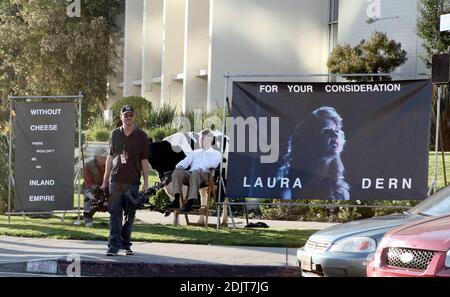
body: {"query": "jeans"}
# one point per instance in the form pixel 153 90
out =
pixel 118 206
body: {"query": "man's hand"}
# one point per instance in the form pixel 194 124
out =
pixel 145 188
pixel 104 185
pixel 90 195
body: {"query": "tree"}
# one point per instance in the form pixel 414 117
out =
pixel 379 54
pixel 428 28
pixel 45 52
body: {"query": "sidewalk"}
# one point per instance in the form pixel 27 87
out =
pixel 48 256
pixel 152 217
pixel 53 257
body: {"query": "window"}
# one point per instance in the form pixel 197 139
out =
pixel 333 29
pixel 333 24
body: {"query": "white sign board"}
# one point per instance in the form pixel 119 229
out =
pixel 445 22
pixel 42 266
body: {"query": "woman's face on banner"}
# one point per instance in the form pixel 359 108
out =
pixel 331 139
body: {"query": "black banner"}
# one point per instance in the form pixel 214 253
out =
pixel 330 141
pixel 44 156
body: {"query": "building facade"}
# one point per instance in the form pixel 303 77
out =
pixel 177 51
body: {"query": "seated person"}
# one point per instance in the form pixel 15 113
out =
pixel 199 162
pixel 93 179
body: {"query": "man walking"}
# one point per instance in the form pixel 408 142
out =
pixel 127 159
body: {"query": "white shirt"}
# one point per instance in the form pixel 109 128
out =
pixel 201 159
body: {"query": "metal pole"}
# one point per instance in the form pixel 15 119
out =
pixel 318 205
pixel 441 135
pixel 79 157
pixel 42 212
pixel 436 145
pixel 224 120
pixel 327 75
pixel 46 97
pixel 10 156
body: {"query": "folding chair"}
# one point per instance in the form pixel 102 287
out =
pixel 207 193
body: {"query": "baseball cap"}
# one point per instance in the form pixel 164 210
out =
pixel 126 108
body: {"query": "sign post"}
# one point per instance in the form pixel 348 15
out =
pixel 445 22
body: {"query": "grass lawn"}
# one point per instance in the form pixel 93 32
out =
pixel 440 175
pixel 54 228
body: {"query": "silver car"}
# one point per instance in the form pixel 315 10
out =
pixel 343 250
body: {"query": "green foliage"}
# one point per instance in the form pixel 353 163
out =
pixel 160 200
pixel 428 24
pixel 4 172
pixel 56 229
pixel 347 214
pixel 141 106
pixel 43 51
pixel 160 133
pixel 379 54
pixel 199 119
pixel 98 130
pixel 163 116
pixel 319 212
pixel 100 135
pixel 428 27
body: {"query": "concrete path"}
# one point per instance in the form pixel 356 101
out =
pixel 54 257
pixel 13 249
pixel 48 256
pixel 152 217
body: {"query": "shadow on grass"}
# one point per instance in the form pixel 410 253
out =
pixel 54 228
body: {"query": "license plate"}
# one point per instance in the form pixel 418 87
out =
pixel 305 262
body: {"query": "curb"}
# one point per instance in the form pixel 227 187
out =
pixel 141 269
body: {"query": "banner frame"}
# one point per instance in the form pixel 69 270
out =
pixel 237 78
pixel 75 98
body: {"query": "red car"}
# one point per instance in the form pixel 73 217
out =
pixel 421 249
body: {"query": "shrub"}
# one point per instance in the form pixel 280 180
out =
pixel 347 214
pixel 160 117
pixel 141 106
pixel 160 200
pixel 283 212
pixel 100 135
pixel 160 133
pixel 98 130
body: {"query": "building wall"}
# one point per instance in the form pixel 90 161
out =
pixel 173 52
pixel 264 37
pixel 177 51
pixel 152 50
pixel 398 19
pixel 133 47
pixel 196 54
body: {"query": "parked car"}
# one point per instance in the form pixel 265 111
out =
pixel 342 250
pixel 416 249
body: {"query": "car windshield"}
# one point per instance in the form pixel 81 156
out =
pixel 435 205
